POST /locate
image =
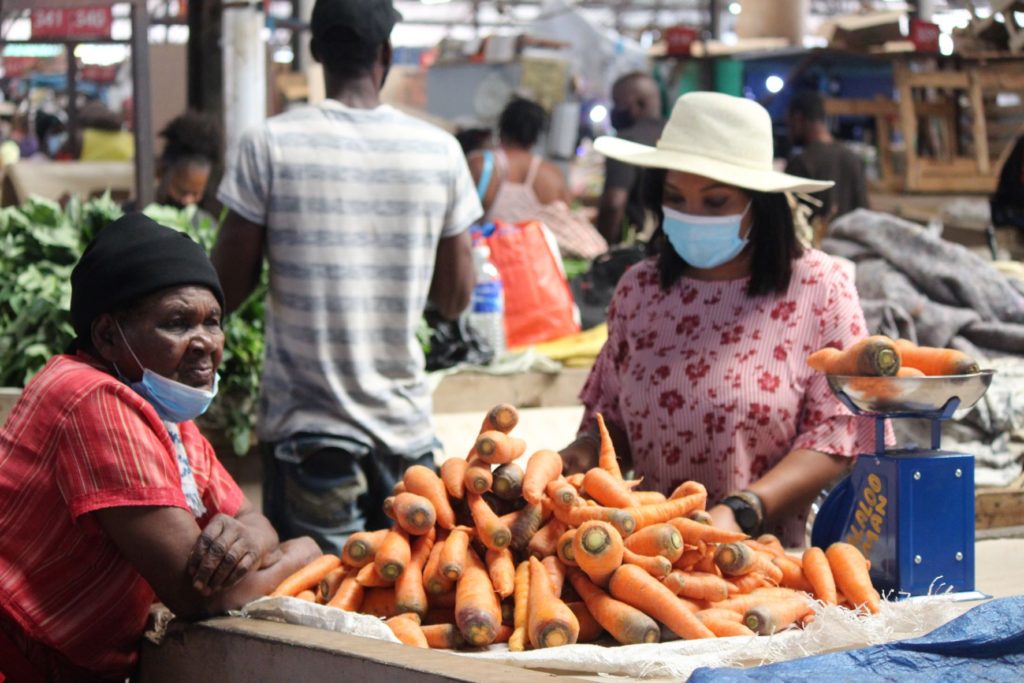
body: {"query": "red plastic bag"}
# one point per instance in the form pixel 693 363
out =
pixel 538 302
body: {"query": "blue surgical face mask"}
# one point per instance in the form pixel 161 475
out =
pixel 173 401
pixel 55 142
pixel 704 241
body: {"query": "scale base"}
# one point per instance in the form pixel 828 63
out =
pixel 912 515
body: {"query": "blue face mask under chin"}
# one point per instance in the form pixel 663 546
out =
pixel 173 401
pixel 704 241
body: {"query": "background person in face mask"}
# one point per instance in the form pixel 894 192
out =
pixel 703 376
pixel 110 498
pixel 636 116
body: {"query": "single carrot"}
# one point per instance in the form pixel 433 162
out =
pixel 517 642
pixel 576 480
pixel 741 603
pixel 498 448
pixel 563 549
pixel 306 596
pixel 646 515
pixel 562 493
pixel 655 565
pixel 502 571
pixel 747 582
pixel 818 572
pixel 772 617
pixel 875 356
pixel 524 524
pixel 406 628
pixel 649 497
pixel 657 539
pixel 489 529
pixel 367 577
pixel 443 636
pixel 329 584
pixel 721 627
pixel 719 613
pixel 424 482
pixel 349 595
pixel 735 559
pixel 507 481
pixel 606 457
pixel 479 478
pixel 934 361
pixel 689 488
pixel 453 556
pixel 590 630
pixel 792 574
pixel 453 474
pixel 387 506
pixel 502 417
pixel 307 577
pixel 434 581
pixel 634 586
pixel 907 371
pixel 543 467
pixel 623 520
pixel 603 487
pixel 598 549
pixel 477 610
pixel 549 622
pixel 399 487
pixel 414 513
pixel 851 576
pixel 379 602
pixel 543 542
pixel 625 623
pixel 707 561
pixel 771 545
pixel 690 557
pixel 701 517
pixel 556 572
pixel 393 555
pixel 410 592
pixel 697 585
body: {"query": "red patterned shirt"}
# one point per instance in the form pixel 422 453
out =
pixel 711 384
pixel 79 440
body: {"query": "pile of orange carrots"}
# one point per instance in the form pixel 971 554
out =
pixel 491 552
pixel 880 356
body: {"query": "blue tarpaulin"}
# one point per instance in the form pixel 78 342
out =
pixel 985 644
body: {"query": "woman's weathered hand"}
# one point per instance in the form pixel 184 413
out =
pixel 579 456
pixel 223 554
pixel 724 518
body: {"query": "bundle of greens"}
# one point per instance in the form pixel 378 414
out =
pixel 40 244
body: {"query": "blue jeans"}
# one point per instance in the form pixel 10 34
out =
pixel 329 487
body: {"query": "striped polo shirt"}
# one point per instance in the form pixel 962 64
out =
pixel 354 202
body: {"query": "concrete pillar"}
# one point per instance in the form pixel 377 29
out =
pixel 245 73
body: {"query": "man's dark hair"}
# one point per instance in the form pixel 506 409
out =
pixel 344 53
pixel 808 103
pixel 521 122
pixel 191 137
pixel 772 240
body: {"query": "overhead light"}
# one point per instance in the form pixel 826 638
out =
pixel 598 114
pixel 735 8
pixel 945 44
pixel 774 83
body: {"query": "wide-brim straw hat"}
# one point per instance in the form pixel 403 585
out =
pixel 725 138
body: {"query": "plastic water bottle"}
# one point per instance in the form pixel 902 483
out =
pixel 487 307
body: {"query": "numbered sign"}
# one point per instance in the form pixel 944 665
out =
pixel 68 23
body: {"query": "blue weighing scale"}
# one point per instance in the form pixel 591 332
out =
pixel 909 510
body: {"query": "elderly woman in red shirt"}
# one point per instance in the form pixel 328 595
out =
pixel 110 498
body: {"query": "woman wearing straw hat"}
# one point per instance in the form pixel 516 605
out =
pixel 703 376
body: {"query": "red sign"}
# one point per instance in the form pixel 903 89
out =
pixel 924 35
pixel 98 74
pixel 16 67
pixel 679 40
pixel 77 22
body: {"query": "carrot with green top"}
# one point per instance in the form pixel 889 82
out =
pixel 634 586
pixel 550 622
pixel 498 448
pixel 658 539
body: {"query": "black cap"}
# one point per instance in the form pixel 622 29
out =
pixel 371 20
pixel 130 258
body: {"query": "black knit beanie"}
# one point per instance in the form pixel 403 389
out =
pixel 130 258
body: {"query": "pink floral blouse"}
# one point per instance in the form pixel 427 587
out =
pixel 712 385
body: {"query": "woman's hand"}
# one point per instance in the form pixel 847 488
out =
pixel 223 554
pixel 724 518
pixel 580 455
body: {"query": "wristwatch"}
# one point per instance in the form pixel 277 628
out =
pixel 748 510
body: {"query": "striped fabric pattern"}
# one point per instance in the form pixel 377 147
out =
pixel 354 202
pixel 712 385
pixel 78 441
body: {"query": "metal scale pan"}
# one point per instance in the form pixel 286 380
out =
pixel 909 510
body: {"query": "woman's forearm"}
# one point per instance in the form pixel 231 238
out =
pixel 792 485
